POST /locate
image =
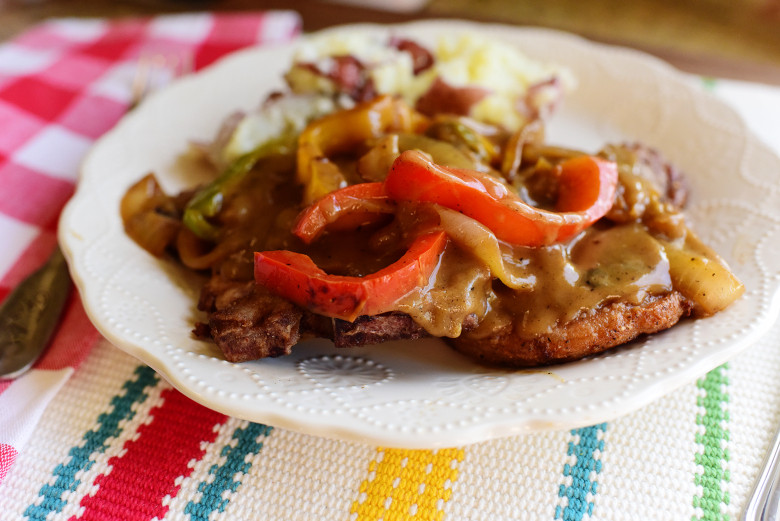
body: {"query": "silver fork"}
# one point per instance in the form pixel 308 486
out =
pixel 764 501
pixel 31 313
pixel 155 71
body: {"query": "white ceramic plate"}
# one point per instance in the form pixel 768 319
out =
pixel 422 394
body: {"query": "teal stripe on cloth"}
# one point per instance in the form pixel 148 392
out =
pixel 248 441
pixel 580 473
pixel 95 441
pixel 713 441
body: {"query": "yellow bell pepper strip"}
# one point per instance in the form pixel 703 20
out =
pixel 208 201
pixel 346 209
pixel 297 278
pixel 340 132
pixel 586 192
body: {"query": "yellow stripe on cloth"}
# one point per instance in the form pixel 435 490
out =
pixel 407 483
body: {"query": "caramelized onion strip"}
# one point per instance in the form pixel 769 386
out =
pixel 476 238
pixel 148 215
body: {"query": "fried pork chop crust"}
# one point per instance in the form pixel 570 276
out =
pixel 600 329
pixel 247 322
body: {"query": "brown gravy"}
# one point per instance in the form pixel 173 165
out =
pixel 601 265
pixel 625 257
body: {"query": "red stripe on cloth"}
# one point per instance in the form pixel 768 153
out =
pixel 7 458
pixel 235 29
pixel 119 40
pixel 32 197
pixel 75 71
pixel 209 52
pixel 233 32
pixel 228 33
pixel 159 455
pixel 74 339
pixel 18 126
pixel 31 258
pixel 93 115
pixel 38 97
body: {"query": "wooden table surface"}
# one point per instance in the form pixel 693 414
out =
pixel 737 39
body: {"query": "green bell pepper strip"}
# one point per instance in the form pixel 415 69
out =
pixel 208 201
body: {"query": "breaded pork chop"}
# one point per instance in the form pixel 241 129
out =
pixel 588 334
pixel 248 322
pixel 260 325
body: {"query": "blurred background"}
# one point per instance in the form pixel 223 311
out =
pixel 727 38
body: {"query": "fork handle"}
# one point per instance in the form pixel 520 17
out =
pixel 765 499
pixel 30 314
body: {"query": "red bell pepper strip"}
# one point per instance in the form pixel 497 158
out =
pixel 341 131
pixel 295 277
pixel 345 209
pixel 586 191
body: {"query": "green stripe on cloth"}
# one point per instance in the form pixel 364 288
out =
pixel 94 441
pixel 713 442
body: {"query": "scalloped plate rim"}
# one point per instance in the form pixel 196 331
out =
pixel 326 426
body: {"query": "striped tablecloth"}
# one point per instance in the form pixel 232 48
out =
pixel 91 433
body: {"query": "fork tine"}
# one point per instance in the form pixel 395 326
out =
pixel 155 70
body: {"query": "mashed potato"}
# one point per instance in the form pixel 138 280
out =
pixel 460 60
pixel 517 88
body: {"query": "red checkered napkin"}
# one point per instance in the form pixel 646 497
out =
pixel 62 85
